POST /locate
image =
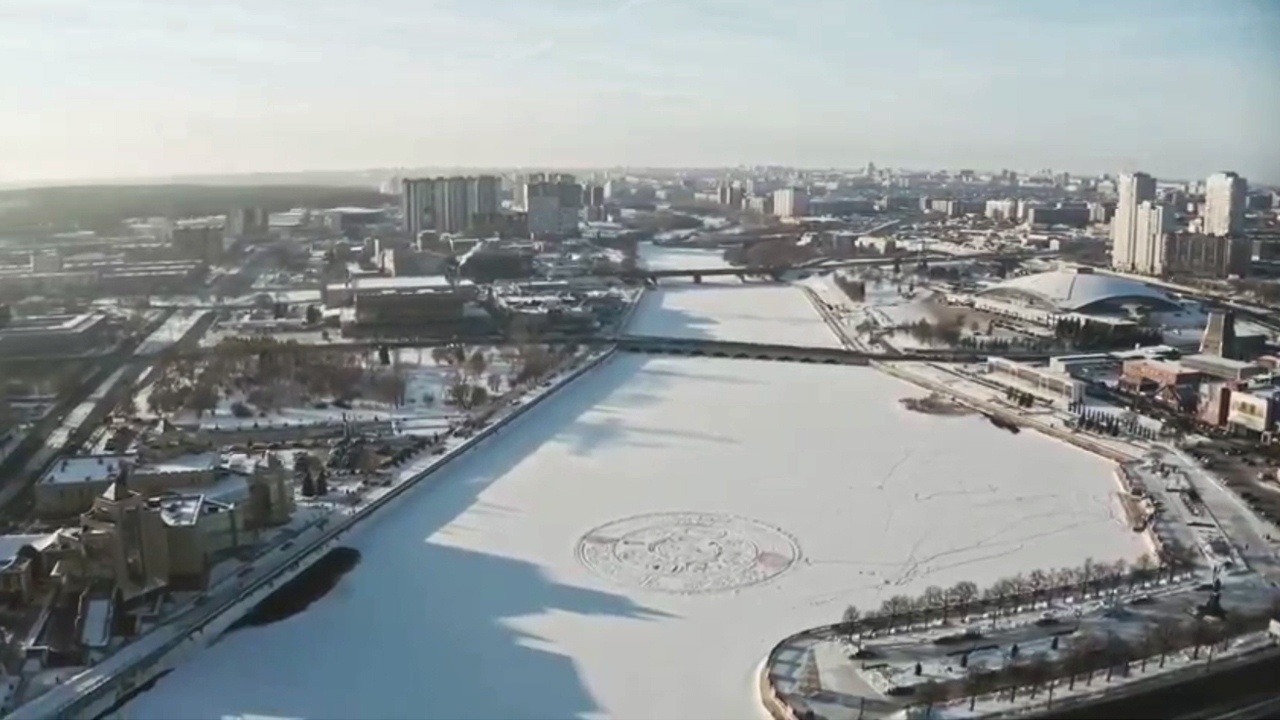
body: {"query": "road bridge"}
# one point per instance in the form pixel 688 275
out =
pixel 779 272
pixel 631 343
pixel 739 350
pixel 705 347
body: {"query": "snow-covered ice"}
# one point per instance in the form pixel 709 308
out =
pixel 732 310
pixel 474 598
pixel 668 257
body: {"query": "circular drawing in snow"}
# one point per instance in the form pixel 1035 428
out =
pixel 688 552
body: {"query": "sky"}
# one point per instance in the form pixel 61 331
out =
pixel 123 88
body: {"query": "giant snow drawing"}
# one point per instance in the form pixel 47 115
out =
pixel 687 552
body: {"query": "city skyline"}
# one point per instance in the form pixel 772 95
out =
pixel 144 89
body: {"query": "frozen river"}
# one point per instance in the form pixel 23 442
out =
pixel 670 257
pixel 726 308
pixel 634 546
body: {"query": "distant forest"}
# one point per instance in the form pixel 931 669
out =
pixel 103 208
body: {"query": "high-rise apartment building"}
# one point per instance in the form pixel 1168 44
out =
pixel 417 205
pixel 1152 224
pixel 1132 190
pixel 1224 204
pixel 246 223
pixel 730 194
pixel 553 204
pixel 790 202
pixel 484 197
pixel 447 204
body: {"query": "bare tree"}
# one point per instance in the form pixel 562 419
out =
pixel 1141 571
pixel 1148 645
pixel 849 623
pixel 1075 662
pixel 962 596
pixel 930 693
pixel 476 364
pixel 978 681
pixel 1012 677
pixel 1170 634
pixel 1018 589
pixel 1037 582
pixel 1118 653
pixel 933 599
pixel 1037 671
pixel 1088 573
pixel 1117 573
pixel 1202 633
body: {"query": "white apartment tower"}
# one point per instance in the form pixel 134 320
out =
pixel 447 204
pixel 1224 203
pixel 1152 224
pixel 417 202
pixel 1133 190
pixel 790 202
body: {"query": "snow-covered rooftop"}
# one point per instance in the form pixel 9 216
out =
pixel 86 468
pixel 192 462
pixel 1070 290
pixel 11 544
pixel 181 510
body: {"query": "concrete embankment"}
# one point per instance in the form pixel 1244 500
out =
pixel 93 692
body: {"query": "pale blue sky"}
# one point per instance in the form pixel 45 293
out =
pixel 100 88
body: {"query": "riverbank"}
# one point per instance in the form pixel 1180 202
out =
pixel 89 693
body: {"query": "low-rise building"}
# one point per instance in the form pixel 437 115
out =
pixel 20 566
pixel 199 532
pixel 1207 255
pixel 1044 383
pixel 71 486
pixel 1167 381
pixel 1254 411
pixel 52 334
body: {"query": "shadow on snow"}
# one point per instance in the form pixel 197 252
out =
pixel 418 629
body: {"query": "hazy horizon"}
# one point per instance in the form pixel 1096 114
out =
pixel 153 89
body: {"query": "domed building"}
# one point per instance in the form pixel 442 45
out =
pixel 1080 290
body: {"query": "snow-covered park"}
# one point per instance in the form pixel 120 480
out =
pixel 420 381
pixel 634 547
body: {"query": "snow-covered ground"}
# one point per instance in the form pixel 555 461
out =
pixel 172 331
pixel 729 309
pixel 425 406
pixel 634 547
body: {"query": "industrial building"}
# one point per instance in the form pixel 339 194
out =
pixel 53 334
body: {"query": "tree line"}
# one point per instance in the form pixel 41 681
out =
pixel 965 599
pixel 1084 656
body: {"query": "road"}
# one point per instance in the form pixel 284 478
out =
pixel 1236 688
pixel 27 463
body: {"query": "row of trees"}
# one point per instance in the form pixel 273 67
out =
pixel 1093 335
pixel 946 332
pixel 1007 595
pixel 271 375
pixel 1089 655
